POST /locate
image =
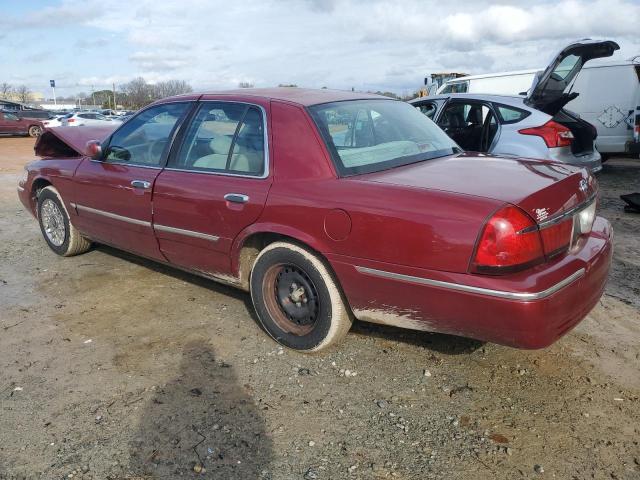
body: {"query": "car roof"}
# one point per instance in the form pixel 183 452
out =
pixel 301 96
pixel 514 100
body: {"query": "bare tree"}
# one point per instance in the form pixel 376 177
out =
pixel 138 92
pixel 245 85
pixel 170 88
pixel 23 93
pixel 5 90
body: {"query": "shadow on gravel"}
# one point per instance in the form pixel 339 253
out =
pixel 201 419
pixel 441 343
pixel 446 344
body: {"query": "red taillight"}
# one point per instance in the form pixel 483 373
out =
pixel 557 237
pixel 510 241
pixel 71 120
pixel 553 134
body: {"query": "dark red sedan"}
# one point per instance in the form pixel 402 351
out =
pixel 329 206
pixel 11 124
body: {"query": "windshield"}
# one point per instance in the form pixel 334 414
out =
pixel 367 136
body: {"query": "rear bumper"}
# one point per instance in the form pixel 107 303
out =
pixel 529 310
pixel 592 161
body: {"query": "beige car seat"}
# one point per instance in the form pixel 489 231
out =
pixel 242 160
pixel 218 159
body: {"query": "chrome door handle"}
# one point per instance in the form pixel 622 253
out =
pixel 140 184
pixel 236 197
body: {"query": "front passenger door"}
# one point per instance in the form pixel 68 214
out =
pixel 112 196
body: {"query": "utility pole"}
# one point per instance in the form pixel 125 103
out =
pixel 93 95
pixel 115 105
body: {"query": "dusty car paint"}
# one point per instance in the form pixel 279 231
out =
pixel 405 259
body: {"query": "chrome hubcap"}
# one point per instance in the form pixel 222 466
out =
pixel 52 222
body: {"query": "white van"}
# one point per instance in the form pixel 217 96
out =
pixel 609 98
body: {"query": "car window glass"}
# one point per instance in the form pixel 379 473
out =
pixel 371 135
pixel 511 115
pixel 223 137
pixel 10 116
pixel 143 139
pixel 429 109
pixel 566 66
pixel 458 87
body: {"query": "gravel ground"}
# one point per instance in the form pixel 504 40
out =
pixel 113 367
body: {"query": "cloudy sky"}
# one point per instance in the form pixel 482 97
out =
pixel 365 44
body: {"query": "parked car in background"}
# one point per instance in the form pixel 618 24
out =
pixel 56 121
pixel 33 114
pixel 609 98
pixel 329 205
pixel 534 126
pixel 11 124
pixel 79 119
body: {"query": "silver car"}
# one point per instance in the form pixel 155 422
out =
pixel 533 126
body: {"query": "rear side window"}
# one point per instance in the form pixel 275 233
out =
pixel 510 114
pixel 224 137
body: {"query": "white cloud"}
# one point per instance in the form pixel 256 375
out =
pixel 390 44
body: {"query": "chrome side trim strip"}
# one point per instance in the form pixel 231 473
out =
pixel 188 233
pixel 521 296
pixel 113 216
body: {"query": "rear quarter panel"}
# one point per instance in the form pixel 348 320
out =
pixel 386 223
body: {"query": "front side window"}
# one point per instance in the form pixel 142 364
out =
pixel 366 136
pixel 224 137
pixel 144 138
pixel 428 109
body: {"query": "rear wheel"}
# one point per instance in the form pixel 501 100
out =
pixel 57 230
pixel 35 131
pixel 297 299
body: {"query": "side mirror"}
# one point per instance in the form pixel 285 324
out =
pixel 94 150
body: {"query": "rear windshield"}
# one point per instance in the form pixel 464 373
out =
pixel 367 136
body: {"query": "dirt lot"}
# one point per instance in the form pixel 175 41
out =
pixel 112 367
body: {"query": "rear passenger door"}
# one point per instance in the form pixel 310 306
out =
pixel 215 184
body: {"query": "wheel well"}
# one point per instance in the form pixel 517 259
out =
pixel 255 243
pixel 36 187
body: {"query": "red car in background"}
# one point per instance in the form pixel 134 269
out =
pixel 11 124
pixel 329 206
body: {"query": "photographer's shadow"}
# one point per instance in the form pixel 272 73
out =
pixel 202 419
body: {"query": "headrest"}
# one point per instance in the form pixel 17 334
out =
pixel 220 145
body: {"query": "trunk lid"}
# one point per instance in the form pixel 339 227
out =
pixel 543 189
pixel 69 141
pixel 549 92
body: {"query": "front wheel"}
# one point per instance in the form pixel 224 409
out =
pixel 35 131
pixel 57 230
pixel 297 299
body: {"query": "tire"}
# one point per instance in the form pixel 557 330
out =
pixel 35 131
pixel 57 230
pixel 297 299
